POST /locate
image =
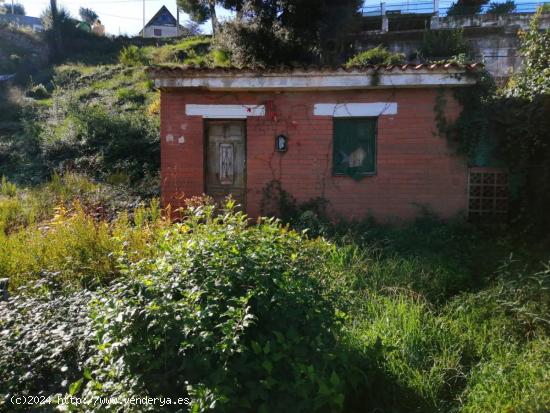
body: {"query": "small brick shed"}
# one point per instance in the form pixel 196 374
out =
pixel 363 139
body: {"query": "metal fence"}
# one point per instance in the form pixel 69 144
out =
pixel 435 6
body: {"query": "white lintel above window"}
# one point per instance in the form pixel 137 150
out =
pixel 350 110
pixel 225 111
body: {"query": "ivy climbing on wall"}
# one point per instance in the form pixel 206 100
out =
pixel 509 127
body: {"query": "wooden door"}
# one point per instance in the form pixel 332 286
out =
pixel 226 160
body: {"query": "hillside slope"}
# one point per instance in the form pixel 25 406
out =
pixel 96 119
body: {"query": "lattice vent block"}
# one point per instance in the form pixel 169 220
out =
pixel 488 193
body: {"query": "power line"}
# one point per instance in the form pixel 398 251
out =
pixel 119 17
pixel 77 2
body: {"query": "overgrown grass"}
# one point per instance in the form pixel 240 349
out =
pixel 65 116
pixel 516 380
pixel 376 56
pixel 436 317
pixel 99 121
pixel 451 316
pixel 95 115
pixel 483 351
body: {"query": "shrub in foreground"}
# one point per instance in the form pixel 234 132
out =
pixel 44 337
pixel 231 315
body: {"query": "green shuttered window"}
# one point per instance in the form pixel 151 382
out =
pixel 354 148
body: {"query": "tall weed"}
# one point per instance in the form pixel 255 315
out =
pixel 77 248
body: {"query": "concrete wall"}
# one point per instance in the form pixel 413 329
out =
pixel 493 38
pixel 496 47
pixel 415 166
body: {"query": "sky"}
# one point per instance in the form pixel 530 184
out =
pixel 118 16
pixel 125 16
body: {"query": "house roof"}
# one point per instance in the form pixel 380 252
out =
pixel 163 17
pixel 21 20
pixel 315 77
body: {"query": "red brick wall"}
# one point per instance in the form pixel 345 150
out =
pixel 415 166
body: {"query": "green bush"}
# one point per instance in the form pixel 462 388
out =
pixel 231 315
pixel 221 57
pixel 508 128
pixel 38 92
pixel 443 44
pixel 65 76
pixel 376 56
pixel 130 95
pixel 132 56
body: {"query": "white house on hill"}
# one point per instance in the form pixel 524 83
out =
pixel 163 24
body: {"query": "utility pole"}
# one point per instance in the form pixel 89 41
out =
pixel 143 30
pixel 12 8
pixel 178 20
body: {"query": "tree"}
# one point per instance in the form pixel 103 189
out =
pixel 190 28
pixel 286 31
pixel 56 30
pixel 534 79
pixel 17 9
pixel 466 7
pixel 201 11
pixel 88 15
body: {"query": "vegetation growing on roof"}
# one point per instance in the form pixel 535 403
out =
pixel 378 55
